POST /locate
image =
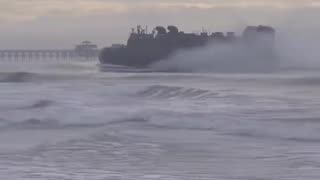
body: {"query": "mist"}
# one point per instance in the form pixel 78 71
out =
pixel 219 57
pixel 296 46
pixel 60 26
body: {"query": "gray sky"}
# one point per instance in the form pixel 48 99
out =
pixel 63 23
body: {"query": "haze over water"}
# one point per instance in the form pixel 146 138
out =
pixel 70 121
pixel 66 120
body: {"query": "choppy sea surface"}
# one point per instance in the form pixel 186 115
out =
pixel 69 121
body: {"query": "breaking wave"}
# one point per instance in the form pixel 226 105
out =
pixel 40 104
pixel 24 77
pixel 40 124
pixel 17 77
pixel 165 92
pixel 306 81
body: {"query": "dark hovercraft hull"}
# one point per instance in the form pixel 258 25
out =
pixel 144 50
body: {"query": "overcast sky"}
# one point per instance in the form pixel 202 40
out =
pixel 63 23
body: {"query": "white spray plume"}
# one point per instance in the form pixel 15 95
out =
pixel 297 46
pixel 219 57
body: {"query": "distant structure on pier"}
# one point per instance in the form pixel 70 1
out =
pixel 85 50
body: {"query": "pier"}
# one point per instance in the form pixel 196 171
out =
pixel 85 50
pixel 36 54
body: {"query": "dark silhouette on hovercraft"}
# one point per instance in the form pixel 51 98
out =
pixel 144 49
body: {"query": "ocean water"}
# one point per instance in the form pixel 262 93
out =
pixel 69 121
